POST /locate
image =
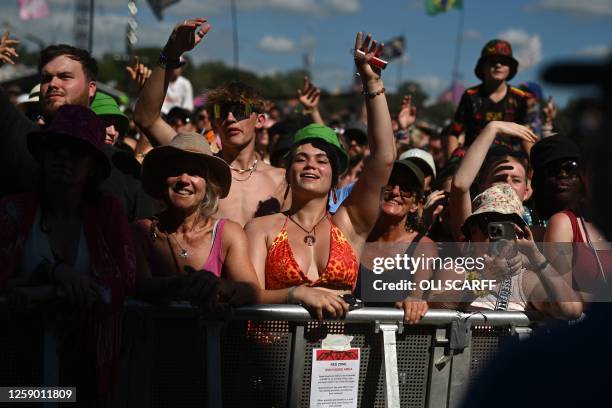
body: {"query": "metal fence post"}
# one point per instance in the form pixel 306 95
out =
pixel 298 345
pixel 389 344
pixel 213 364
pixel 439 374
pixel 50 360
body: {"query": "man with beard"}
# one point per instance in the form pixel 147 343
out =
pixel 67 76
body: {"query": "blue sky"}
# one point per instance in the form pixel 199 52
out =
pixel 275 34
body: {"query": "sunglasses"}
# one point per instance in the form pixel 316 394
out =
pixel 482 223
pixel 404 193
pixel 497 60
pixel 570 167
pixel 239 110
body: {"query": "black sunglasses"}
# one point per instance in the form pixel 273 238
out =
pixel 239 110
pixel 570 167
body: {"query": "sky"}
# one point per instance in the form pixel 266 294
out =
pixel 274 35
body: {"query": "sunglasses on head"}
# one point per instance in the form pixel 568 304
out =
pixel 570 167
pixel 239 110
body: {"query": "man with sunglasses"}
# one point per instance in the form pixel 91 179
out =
pixel 236 111
pixel 492 100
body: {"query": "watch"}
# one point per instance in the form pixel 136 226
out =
pixel 167 63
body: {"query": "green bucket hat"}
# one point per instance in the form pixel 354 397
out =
pixel 105 105
pixel 323 133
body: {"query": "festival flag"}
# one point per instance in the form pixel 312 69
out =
pixel 434 7
pixel 158 6
pixel 33 9
pixel 394 48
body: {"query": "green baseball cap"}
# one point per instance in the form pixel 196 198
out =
pixel 105 105
pixel 323 133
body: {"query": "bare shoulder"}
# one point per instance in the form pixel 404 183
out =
pixel 266 224
pixel 559 228
pixel 275 173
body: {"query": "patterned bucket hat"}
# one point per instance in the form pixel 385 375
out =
pixel 499 201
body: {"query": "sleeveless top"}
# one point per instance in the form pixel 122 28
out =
pixel 587 275
pixel 213 264
pixel 366 277
pixel 283 271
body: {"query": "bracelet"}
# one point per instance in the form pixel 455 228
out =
pixel 540 268
pixel 290 294
pixel 372 95
pixel 167 63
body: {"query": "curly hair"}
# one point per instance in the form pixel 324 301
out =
pixel 235 91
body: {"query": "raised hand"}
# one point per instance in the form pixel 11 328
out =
pixel 309 95
pixel 407 114
pixel 139 73
pixel 7 52
pixel 550 111
pixel 511 129
pixel 185 37
pixel 371 48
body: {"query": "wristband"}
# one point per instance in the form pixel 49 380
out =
pixel 540 268
pixel 372 95
pixel 167 63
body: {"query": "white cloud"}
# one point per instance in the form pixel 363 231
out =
pixel 276 44
pixel 589 8
pixel 471 34
pixel 344 6
pixel 596 50
pixel 527 48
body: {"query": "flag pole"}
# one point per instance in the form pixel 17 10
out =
pixel 458 45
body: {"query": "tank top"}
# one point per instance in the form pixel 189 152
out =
pixel 283 271
pixel 214 262
pixel 587 275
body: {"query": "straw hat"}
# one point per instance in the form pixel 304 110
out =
pixel 191 144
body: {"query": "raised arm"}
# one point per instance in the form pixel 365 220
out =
pixel 147 113
pixel 362 206
pixel 460 200
pixel 309 96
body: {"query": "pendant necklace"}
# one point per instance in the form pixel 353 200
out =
pixel 153 234
pixel 310 238
pixel 183 254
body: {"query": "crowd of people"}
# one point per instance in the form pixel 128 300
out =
pixel 233 202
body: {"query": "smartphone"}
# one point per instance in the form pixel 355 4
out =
pixel 501 234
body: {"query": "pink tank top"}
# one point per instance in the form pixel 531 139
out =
pixel 213 264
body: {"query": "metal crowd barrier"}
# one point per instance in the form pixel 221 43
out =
pixel 261 356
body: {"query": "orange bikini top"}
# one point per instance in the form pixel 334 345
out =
pixel 283 271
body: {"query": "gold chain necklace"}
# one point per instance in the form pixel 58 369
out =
pixel 250 170
pixel 310 238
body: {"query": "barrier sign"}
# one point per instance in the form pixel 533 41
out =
pixel 335 378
